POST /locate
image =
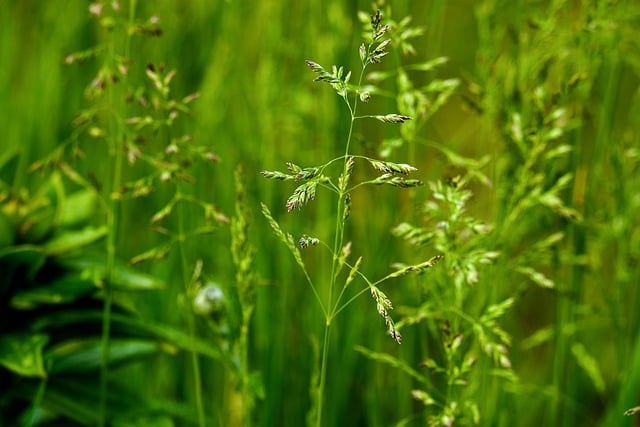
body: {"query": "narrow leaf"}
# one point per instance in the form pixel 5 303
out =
pixel 391 361
pixel 70 240
pixel 84 355
pixel 67 289
pixel 589 365
pixel 132 325
pixel 124 276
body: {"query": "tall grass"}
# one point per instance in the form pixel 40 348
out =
pixel 544 106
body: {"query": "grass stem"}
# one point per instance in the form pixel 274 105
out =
pixel 113 216
pixel 189 316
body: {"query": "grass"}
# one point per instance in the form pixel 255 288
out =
pixel 526 138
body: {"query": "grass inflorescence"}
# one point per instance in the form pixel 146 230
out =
pixel 333 297
pixel 138 285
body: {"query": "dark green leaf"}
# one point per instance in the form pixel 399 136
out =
pixel 64 290
pixel 22 353
pixel 132 325
pixel 28 256
pixel 147 420
pixel 124 276
pixel 86 354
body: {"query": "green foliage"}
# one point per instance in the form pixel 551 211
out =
pixel 137 287
pixel 55 275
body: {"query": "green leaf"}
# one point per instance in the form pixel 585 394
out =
pixel 393 362
pixel 26 256
pixel 539 337
pixel 64 290
pixel 43 210
pixel 70 240
pixel 72 400
pixel 76 400
pixel 9 163
pixel 83 355
pixel 147 420
pixel 132 325
pixel 78 208
pixel 7 231
pixel 124 276
pixel 22 353
pixel 589 365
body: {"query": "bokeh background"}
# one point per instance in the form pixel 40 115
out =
pixel 258 107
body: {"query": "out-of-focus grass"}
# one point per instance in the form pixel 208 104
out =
pixel 259 108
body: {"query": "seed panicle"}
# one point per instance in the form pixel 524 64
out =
pixel 392 118
pixel 390 167
pixel 383 305
pixel 302 195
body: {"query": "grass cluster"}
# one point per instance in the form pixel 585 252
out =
pixel 454 240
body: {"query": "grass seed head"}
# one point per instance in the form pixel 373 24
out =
pixel 392 118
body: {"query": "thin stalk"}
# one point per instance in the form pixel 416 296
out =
pixel 191 330
pixel 244 366
pixel 587 194
pixel 337 245
pixel 323 370
pixel 113 219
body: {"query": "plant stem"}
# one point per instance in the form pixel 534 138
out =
pixel 112 224
pixel 191 330
pixel 113 214
pixel 244 366
pixel 337 245
pixel 113 217
pixel 323 371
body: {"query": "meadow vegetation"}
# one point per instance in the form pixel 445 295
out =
pixel 205 222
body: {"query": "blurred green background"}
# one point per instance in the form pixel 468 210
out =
pixel 259 108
